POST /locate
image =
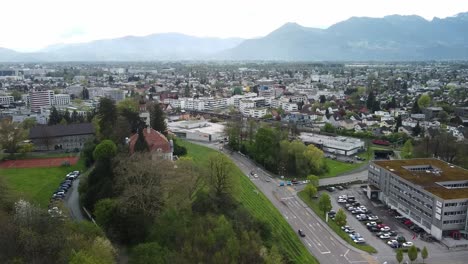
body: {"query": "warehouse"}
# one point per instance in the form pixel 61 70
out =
pixel 197 130
pixel 339 145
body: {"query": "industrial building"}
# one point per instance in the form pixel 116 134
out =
pixel 430 192
pixel 197 130
pixel 338 145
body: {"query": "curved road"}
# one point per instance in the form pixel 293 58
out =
pixel 320 240
pixel 72 200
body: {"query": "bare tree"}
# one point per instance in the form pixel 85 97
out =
pixel 46 138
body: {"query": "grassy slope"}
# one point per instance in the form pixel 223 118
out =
pixel 260 207
pixel 338 167
pixel 313 204
pixel 37 184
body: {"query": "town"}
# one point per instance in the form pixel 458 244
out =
pixel 387 141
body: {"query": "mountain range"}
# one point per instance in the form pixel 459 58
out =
pixel 390 38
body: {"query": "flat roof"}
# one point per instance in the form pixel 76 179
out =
pixel 413 170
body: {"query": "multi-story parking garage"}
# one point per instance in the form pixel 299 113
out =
pixel 430 192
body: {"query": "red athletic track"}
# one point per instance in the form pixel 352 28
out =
pixel 35 163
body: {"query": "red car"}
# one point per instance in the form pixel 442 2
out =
pixel 381 142
pixel 408 222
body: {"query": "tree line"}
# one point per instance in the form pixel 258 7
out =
pixel 271 148
pixel 65 117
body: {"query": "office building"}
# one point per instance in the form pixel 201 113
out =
pixel 432 193
pixel 6 100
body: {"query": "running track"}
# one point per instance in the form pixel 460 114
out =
pixel 35 163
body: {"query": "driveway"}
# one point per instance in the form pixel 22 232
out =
pixel 72 200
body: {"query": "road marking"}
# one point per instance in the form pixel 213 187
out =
pixel 323 253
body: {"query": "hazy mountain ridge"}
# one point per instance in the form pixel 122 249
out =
pixel 392 37
pixel 362 38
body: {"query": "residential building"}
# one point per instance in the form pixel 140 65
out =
pixel 159 146
pixel 61 99
pixel 40 99
pixel 432 193
pixel 6 100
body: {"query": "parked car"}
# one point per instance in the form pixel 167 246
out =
pixel 408 244
pixel 341 201
pixel 372 217
pixel 281 183
pixel 331 189
pixel 301 233
pixel 373 229
pixel 288 183
pixel 385 229
pixel 384 236
pixel 344 196
pixel 345 227
pixel 339 187
pixel 359 240
pixel 371 224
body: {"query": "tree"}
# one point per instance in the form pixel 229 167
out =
pixel 311 191
pixel 424 101
pixel 424 254
pixel 412 253
pixel 11 135
pixel 314 180
pixel 85 94
pixel 370 100
pixel 399 256
pixel 105 150
pixel 149 253
pixel 141 145
pixel 325 203
pixel 443 117
pixel 237 91
pixel 67 116
pixel 274 256
pixel 157 119
pixel 407 150
pixel 220 175
pixel 107 116
pixel 55 117
pixel 74 117
pixel 322 99
pixel 104 211
pixel 329 128
pixel 416 109
pixel 28 123
pixel 399 123
pixel 417 130
pixel 16 95
pixel 340 218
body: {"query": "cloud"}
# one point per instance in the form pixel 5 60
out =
pixel 72 32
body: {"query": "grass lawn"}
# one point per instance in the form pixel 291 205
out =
pixel 283 235
pixel 338 167
pixel 37 184
pixel 313 204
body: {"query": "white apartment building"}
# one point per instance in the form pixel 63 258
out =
pixel 39 99
pixel 6 100
pixel 289 107
pixel 61 99
pixel 111 93
pixel 257 112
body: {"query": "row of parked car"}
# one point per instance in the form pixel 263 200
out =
pixel 60 193
pixel 372 222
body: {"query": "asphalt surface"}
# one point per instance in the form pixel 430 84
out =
pixel 319 239
pixel 72 200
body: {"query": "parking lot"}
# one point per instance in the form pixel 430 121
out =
pixel 386 217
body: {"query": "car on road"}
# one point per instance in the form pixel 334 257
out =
pixel 408 244
pixel 301 233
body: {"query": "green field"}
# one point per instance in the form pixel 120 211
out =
pixel 337 167
pixel 313 204
pixel 260 207
pixel 37 184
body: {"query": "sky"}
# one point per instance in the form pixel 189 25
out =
pixel 30 25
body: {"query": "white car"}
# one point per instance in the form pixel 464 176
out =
pixel 385 229
pixel 350 208
pixel 255 175
pixel 341 201
pixel 359 240
pixel 373 218
pixel 345 227
pixel 343 197
pixel 385 236
pixel 371 224
pixel 392 242
pixel 408 244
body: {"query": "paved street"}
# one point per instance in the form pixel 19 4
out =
pixel 72 201
pixel 322 242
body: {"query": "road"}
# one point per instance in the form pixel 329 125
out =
pixel 72 200
pixel 320 240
